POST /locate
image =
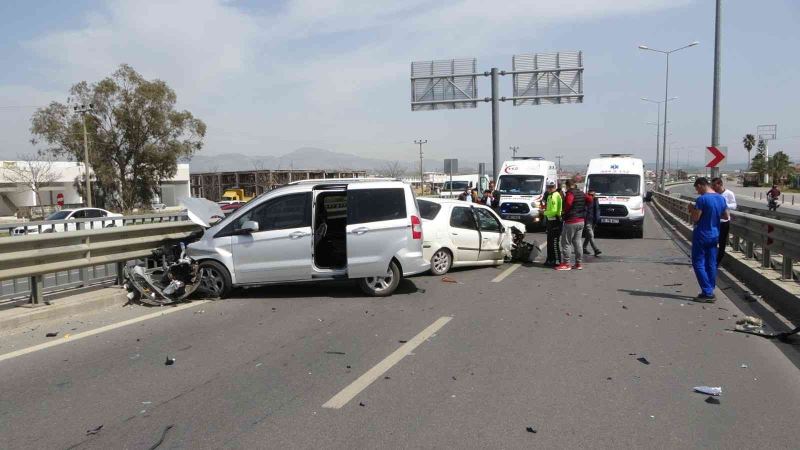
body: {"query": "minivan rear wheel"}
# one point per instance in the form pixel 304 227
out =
pixel 384 285
pixel 214 279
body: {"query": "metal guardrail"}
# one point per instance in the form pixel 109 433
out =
pixel 37 257
pixel 43 226
pixel 776 215
pixel 775 243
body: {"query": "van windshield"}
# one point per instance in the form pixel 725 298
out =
pixel 614 184
pixel 457 186
pixel 520 184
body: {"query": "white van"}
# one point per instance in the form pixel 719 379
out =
pixel 364 229
pixel 521 184
pixel 461 183
pixel 619 182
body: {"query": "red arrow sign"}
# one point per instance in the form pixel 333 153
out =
pixel 717 155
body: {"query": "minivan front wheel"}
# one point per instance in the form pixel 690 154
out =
pixel 384 285
pixel 214 279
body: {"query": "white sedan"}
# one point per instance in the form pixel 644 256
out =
pixel 71 215
pixel 458 234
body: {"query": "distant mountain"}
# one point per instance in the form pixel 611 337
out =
pixel 312 158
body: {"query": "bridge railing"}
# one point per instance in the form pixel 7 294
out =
pixel 48 226
pixel 774 243
pixel 40 257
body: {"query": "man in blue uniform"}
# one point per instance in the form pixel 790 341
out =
pixel 707 212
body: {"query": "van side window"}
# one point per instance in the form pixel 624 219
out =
pixel 462 217
pixel 289 211
pixel 375 205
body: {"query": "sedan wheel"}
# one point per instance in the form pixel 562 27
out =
pixel 441 261
pixel 214 279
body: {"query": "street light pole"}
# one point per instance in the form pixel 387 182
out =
pixel 717 73
pixel 83 109
pixel 666 99
pixel 658 128
pixel 421 174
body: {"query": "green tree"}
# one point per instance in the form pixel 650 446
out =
pixel 780 167
pixel 749 141
pixel 758 163
pixel 135 133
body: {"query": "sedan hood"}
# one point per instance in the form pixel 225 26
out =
pixel 201 211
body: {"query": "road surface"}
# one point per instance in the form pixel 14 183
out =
pixel 471 364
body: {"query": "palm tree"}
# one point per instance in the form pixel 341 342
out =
pixel 749 142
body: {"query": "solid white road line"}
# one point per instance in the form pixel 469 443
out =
pixel 347 394
pixel 506 273
pixel 85 334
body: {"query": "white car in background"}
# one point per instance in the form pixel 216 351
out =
pixel 71 215
pixel 459 234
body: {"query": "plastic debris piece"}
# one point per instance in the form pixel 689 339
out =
pixel 708 390
pixel 631 354
pixel 361 404
pixel 531 430
pixel 454 378
pixel 624 307
pixel 387 378
pixel 609 378
pixel 402 341
pixel 170 361
pixel 259 364
pixel 349 367
pixel 51 334
pixel 94 430
pixel 449 280
pixel 744 366
pixel 713 400
pixel 335 353
pixel 751 321
pixel 643 360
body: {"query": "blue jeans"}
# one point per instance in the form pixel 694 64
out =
pixel 704 262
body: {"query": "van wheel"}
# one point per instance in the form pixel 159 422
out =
pixel 382 286
pixel 441 262
pixel 214 279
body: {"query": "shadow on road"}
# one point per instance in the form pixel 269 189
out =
pixel 684 298
pixel 326 289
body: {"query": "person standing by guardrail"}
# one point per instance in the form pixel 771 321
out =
pixel 707 212
pixel 724 225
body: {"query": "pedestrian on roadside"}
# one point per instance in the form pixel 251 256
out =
pixel 591 219
pixel 707 212
pixel 724 225
pixel 572 232
pixel 495 196
pixel 487 198
pixel 475 198
pixel 552 215
pixel 467 194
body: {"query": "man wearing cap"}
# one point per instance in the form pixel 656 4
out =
pixel 552 214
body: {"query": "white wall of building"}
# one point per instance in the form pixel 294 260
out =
pixel 11 194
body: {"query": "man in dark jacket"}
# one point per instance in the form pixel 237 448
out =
pixel 572 231
pixel 592 217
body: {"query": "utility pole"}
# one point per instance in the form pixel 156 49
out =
pixel 82 109
pixel 514 149
pixel 421 174
pixel 717 70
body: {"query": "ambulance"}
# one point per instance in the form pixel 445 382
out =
pixel 521 185
pixel 619 181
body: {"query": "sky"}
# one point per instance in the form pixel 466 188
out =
pixel 270 77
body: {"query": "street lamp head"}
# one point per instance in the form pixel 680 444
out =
pixel 644 47
pixel 694 43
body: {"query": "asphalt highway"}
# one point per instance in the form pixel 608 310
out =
pixel 471 364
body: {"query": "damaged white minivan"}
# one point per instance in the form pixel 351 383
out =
pixel 363 229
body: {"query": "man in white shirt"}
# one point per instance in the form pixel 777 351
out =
pixel 724 225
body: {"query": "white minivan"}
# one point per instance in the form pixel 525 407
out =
pixel 314 230
pixel 460 183
pixel 618 179
pixel 521 184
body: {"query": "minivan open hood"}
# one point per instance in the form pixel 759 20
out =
pixel 202 211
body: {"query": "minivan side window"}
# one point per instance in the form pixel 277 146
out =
pixel 289 211
pixel 487 221
pixel 462 217
pixel 375 205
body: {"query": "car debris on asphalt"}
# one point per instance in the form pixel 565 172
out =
pixel 708 390
pixel 170 361
pixel 531 430
pixel 51 334
pixel 94 430
pixel 643 360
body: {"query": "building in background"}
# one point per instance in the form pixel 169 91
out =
pixel 17 199
pixel 211 185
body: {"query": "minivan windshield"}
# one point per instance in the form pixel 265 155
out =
pixel 614 184
pixel 457 186
pixel 521 184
